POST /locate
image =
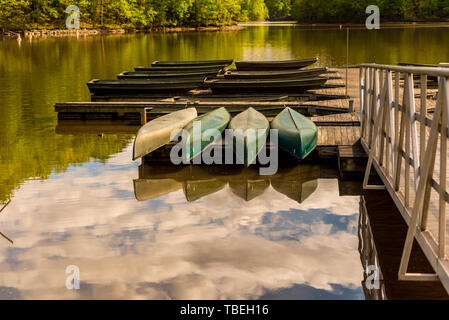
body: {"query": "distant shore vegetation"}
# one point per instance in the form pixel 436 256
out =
pixel 147 14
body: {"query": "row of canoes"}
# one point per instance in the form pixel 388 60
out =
pixel 296 134
pixel 183 76
pixel 155 180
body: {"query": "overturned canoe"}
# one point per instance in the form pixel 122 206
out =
pixel 278 74
pixel 274 65
pixel 157 132
pixel 226 62
pixel 143 86
pixel 181 75
pixel 273 85
pixel 195 143
pixel 250 130
pixel 181 68
pixel 296 134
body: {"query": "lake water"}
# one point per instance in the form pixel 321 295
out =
pixel 202 234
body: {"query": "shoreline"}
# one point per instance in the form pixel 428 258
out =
pixel 42 33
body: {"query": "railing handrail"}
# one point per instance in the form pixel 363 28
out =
pixel 430 71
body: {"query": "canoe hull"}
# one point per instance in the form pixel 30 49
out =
pixel 275 85
pixel 296 134
pixel 226 62
pixel 157 132
pixel 217 67
pixel 288 74
pixel 274 65
pixel 143 86
pixel 188 75
pixel 251 143
pixel 194 143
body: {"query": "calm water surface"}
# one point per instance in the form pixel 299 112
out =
pixel 202 235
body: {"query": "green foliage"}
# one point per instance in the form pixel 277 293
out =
pixel 279 9
pixel 354 11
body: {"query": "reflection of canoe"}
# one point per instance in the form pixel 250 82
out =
pixel 189 75
pixel 157 132
pixel 274 65
pixel 248 184
pixel 277 85
pixel 145 189
pixel 196 189
pixel 217 119
pixel 216 68
pixel 143 86
pixel 296 134
pixel 250 133
pixel 191 63
pixel 297 183
pixel 279 74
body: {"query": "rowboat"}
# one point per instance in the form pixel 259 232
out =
pixel 190 75
pixel 191 63
pixel 157 132
pixel 143 86
pixel 274 65
pixel 278 74
pixel 250 128
pixel 276 85
pixel 296 134
pixel 217 119
pixel 182 68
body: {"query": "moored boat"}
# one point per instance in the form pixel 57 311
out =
pixel 297 134
pixel 157 132
pixel 144 75
pixel 250 128
pixel 216 68
pixel 217 119
pixel 274 65
pixel 278 74
pixel 226 62
pixel 143 86
pixel 268 85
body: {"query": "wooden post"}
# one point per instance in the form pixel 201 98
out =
pixel 347 59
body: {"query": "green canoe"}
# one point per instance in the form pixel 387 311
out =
pixel 251 128
pixel 296 134
pixel 216 119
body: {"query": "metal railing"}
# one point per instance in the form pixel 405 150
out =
pixel 403 142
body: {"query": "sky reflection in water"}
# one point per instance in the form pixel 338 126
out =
pixel 168 248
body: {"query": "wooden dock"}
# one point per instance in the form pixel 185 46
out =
pixel 335 114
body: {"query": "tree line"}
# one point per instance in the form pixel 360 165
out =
pixel 31 14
